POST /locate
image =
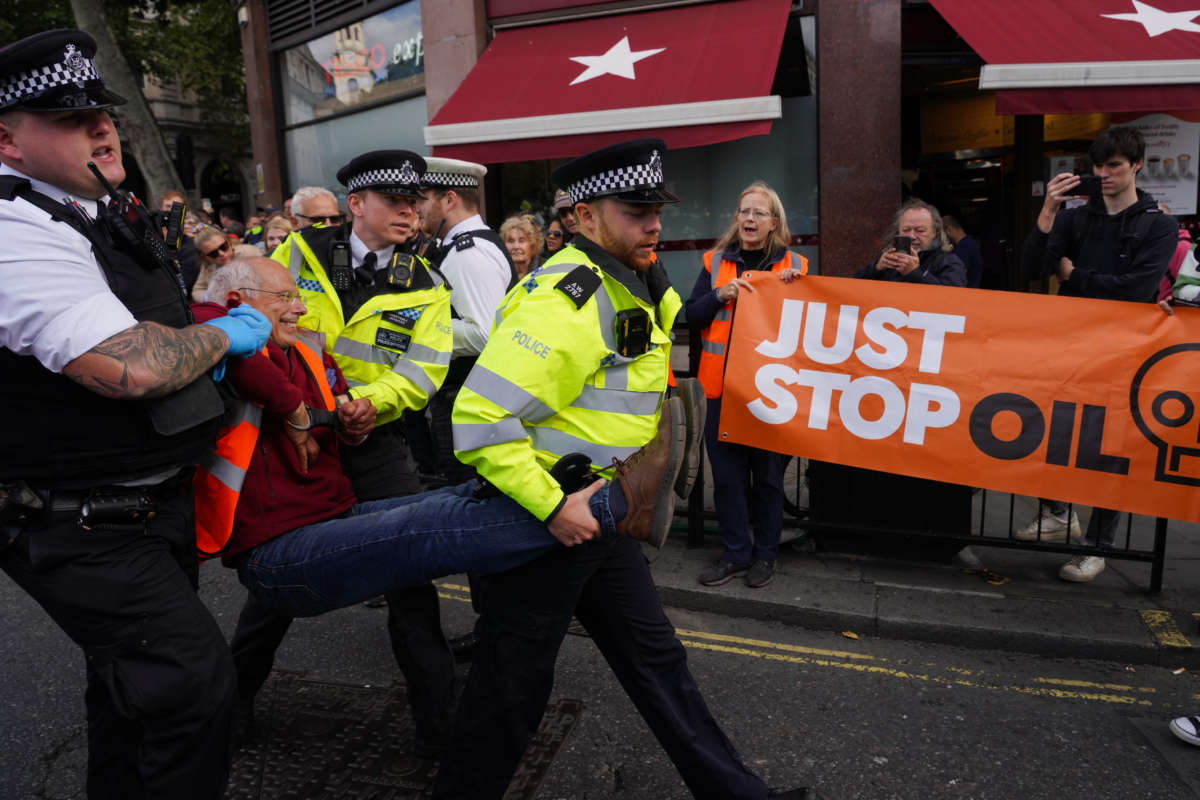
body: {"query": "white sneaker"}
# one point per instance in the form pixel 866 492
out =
pixel 1054 529
pixel 1081 569
pixel 1186 728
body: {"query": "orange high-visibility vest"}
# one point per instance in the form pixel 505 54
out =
pixel 219 478
pixel 714 340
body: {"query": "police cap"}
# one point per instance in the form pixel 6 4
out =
pixel 450 173
pixel 387 171
pixel 52 71
pixel 631 172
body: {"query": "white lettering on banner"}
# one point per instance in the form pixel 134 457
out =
pixel 926 406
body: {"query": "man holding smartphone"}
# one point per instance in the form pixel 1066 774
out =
pixel 917 251
pixel 1117 246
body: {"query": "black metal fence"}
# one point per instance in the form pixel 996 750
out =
pixel 844 508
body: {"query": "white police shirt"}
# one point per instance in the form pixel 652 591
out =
pixel 55 303
pixel 479 276
pixel 359 251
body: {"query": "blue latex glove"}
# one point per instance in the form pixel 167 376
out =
pixel 247 329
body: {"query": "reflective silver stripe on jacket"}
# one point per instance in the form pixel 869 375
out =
pixel 715 348
pixel 363 352
pixel 506 394
pixel 472 436
pixel 555 441
pixel 714 266
pixel 295 261
pixel 617 401
pixel 421 352
pixel 724 314
pixel 224 470
pixel 414 373
pixel 314 339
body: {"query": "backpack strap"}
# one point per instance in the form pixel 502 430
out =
pixel 467 239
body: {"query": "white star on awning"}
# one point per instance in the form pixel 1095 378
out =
pixel 1157 22
pixel 619 61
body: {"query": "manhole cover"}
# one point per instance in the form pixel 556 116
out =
pixel 331 740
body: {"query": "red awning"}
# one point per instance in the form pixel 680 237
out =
pixel 1080 56
pixel 693 75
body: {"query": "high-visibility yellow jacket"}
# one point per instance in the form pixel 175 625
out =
pixel 396 347
pixel 551 380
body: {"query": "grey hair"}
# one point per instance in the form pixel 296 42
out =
pixel 305 193
pixel 940 240
pixel 237 274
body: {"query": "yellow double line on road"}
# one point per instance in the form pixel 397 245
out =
pixel 1060 689
pixel 1056 688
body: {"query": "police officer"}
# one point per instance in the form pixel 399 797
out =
pixel 576 367
pixel 384 316
pixel 116 404
pixel 477 266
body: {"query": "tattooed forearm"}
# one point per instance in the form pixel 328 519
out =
pixel 148 360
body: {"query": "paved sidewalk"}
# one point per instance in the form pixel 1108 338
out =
pixel 1016 602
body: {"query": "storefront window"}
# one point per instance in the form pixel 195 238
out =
pixel 365 63
pixel 315 152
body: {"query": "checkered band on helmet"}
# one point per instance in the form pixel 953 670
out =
pixel 31 84
pixel 449 179
pixel 406 175
pixel 623 179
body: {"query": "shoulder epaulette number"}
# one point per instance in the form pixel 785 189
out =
pixel 464 241
pixel 579 284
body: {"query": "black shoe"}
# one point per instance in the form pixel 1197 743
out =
pixel 802 793
pixel 721 572
pixel 760 574
pixel 463 647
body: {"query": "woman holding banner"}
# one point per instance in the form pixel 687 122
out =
pixel 757 239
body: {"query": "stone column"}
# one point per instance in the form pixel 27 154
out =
pixel 858 107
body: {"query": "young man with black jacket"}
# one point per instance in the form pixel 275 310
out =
pixel 1116 247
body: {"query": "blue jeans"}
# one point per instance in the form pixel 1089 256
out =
pixel 382 545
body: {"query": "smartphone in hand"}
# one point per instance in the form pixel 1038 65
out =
pixel 1089 186
pixel 902 244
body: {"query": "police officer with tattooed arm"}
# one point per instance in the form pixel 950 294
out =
pixel 108 402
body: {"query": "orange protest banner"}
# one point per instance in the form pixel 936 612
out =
pixel 1087 401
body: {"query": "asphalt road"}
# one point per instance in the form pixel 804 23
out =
pixel 858 718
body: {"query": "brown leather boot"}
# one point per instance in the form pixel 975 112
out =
pixel 648 479
pixel 695 408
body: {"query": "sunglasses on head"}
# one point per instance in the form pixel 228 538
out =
pixel 221 248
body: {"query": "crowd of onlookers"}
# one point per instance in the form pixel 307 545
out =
pixel 212 240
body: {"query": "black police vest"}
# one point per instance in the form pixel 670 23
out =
pixel 54 433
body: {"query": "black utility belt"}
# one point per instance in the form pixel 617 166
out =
pixel 105 505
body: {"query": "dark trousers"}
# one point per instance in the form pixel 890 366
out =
pixel 415 629
pixel 378 468
pixel 607 585
pixel 160 682
pixel 440 407
pixel 740 472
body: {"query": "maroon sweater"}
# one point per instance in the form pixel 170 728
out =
pixel 276 497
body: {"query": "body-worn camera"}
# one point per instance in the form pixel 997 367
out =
pixel 632 332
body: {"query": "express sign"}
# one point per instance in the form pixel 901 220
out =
pixel 1088 401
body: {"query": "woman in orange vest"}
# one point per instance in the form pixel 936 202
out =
pixel 757 239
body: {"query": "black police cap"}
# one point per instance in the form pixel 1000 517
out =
pixel 52 71
pixel 630 171
pixel 387 171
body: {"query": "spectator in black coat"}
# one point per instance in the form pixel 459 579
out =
pixel 926 260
